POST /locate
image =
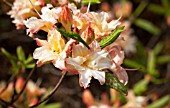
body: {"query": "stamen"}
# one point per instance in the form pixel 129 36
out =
pixel 88 8
pixel 133 69
pixel 35 8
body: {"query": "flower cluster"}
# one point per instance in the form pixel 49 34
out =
pixel 81 54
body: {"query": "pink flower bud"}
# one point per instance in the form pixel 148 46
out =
pixel 66 18
pixel 88 35
pixel 88 98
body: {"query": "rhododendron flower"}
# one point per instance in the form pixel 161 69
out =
pixel 50 50
pixel 48 19
pixel 117 56
pixel 21 10
pixel 89 63
pixel 97 21
pixel 100 23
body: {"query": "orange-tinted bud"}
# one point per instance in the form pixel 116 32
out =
pixel 87 98
pixel 88 35
pixel 123 9
pixel 66 18
pixel 19 84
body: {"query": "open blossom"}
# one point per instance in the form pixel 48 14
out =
pixel 21 10
pixel 50 50
pixel 101 25
pixel 47 22
pixel 98 22
pixel 89 63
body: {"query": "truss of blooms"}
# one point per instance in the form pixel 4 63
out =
pixel 84 57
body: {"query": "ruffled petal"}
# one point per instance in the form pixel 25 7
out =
pixel 121 75
pixel 85 77
pixel 76 62
pixel 44 54
pixel 99 75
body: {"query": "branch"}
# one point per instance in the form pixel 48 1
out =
pixel 51 93
pixel 23 88
pixel 5 104
pixel 11 79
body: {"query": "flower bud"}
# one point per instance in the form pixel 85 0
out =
pixel 66 18
pixel 88 35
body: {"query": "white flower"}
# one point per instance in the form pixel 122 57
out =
pixel 89 63
pixel 51 50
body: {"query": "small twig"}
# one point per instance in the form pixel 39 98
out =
pixel 11 79
pixel 15 92
pixel 23 88
pixel 88 8
pixel 51 93
pixel 6 104
pixel 8 3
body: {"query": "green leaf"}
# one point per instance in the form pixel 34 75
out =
pixel 52 105
pixel 140 8
pixel 165 3
pixel 113 82
pixel 74 36
pixel 92 1
pixel 29 59
pixel 148 26
pixel 111 38
pixel 151 64
pixel 158 48
pixel 156 9
pixel 163 59
pixel 20 53
pixel 140 86
pixel 7 54
pixel 30 65
pixel 160 103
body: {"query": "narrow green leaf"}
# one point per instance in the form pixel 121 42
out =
pixel 163 59
pixel 140 8
pixel 140 86
pixel 160 103
pixel 92 1
pixel 113 82
pixel 20 53
pixel 29 59
pixel 148 26
pixel 111 38
pixel 52 105
pixel 151 63
pixel 158 48
pixel 73 35
pixel 30 65
pixel 156 9
pixel 7 54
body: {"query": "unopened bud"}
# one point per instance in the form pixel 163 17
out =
pixel 88 35
pixel 66 18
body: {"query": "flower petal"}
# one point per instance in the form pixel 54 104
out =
pixel 44 54
pixel 85 77
pixel 76 62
